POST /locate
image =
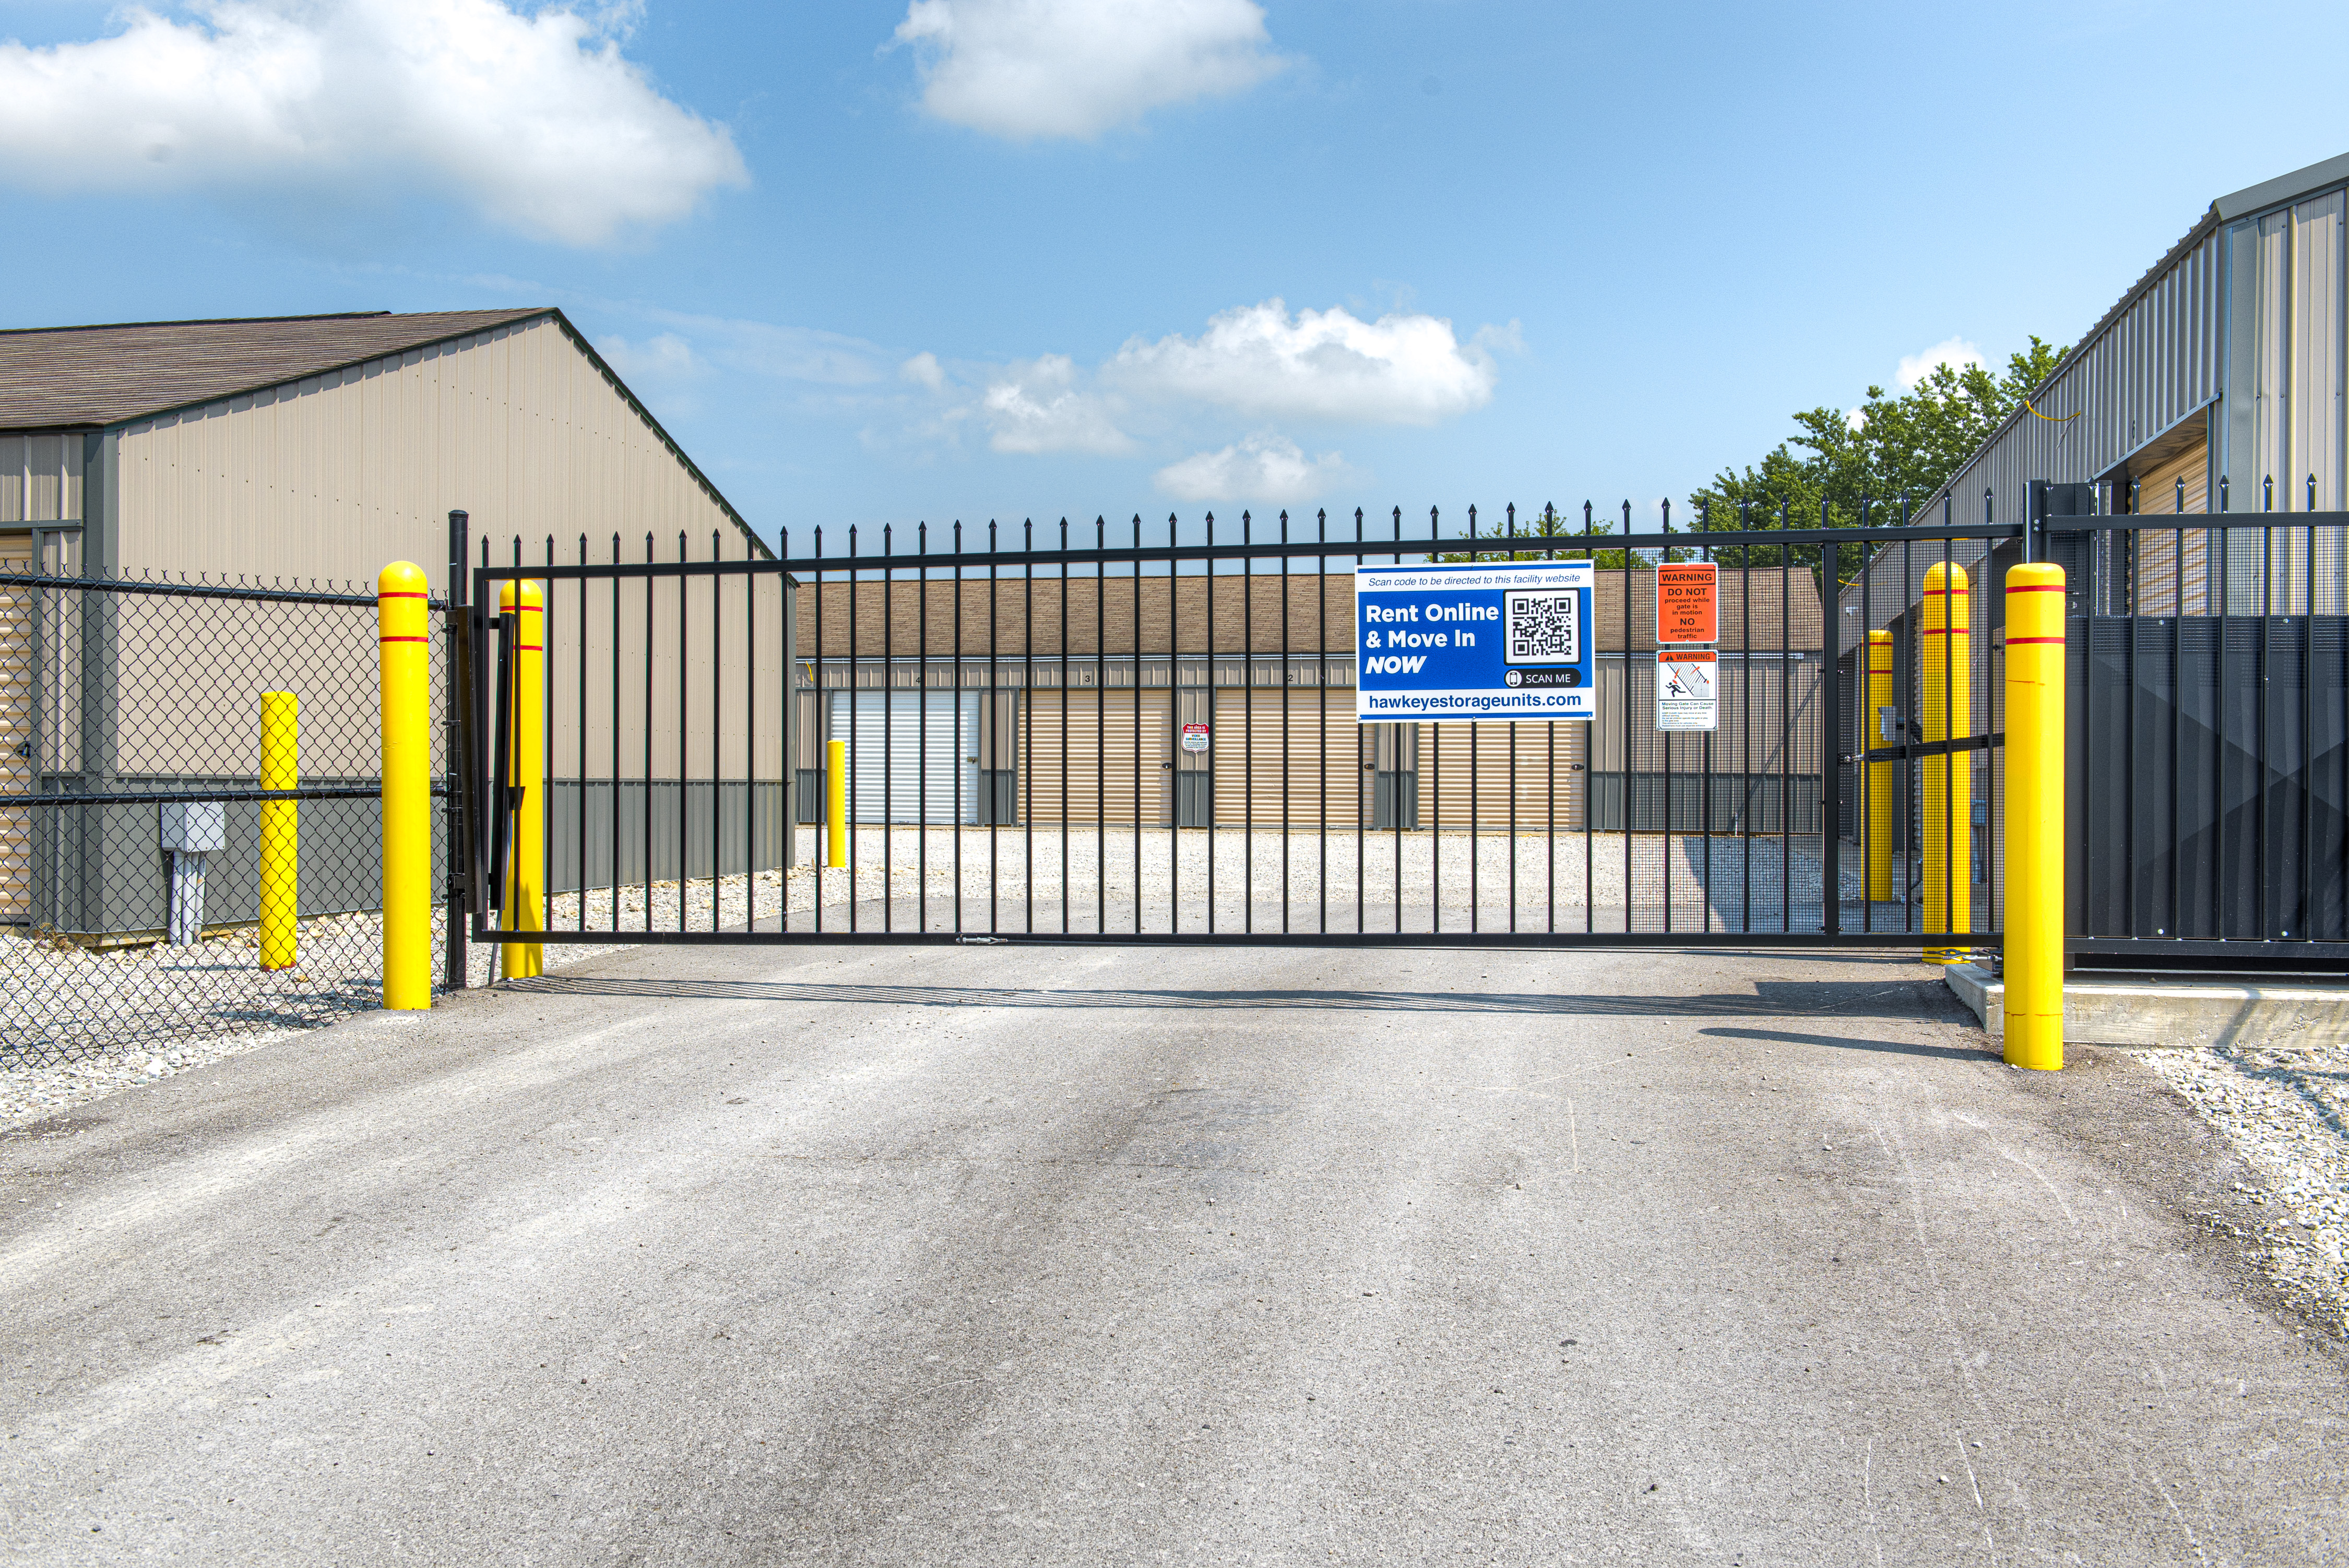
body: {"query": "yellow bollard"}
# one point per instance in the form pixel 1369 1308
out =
pixel 1947 808
pixel 2034 815
pixel 281 826
pixel 836 804
pixel 1883 801
pixel 403 658
pixel 525 889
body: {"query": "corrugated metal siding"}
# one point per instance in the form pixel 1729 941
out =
pixel 714 683
pixel 40 479
pixel 2315 412
pixel 333 476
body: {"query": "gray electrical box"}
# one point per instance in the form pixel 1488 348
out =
pixel 192 827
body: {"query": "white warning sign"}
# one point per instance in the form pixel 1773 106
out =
pixel 1687 695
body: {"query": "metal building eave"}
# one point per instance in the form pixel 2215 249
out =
pixel 2283 188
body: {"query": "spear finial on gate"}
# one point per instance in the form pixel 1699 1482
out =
pixel 2267 493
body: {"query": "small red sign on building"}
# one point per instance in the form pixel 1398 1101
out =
pixel 1687 603
pixel 1195 737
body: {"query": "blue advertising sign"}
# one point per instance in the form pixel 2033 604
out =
pixel 1474 642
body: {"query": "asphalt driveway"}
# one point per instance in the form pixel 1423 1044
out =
pixel 1069 1255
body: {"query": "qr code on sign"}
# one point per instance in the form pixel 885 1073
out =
pixel 1544 628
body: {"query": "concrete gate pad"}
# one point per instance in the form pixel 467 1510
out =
pixel 1047 1256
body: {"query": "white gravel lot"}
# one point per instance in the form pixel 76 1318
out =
pixel 2286 1113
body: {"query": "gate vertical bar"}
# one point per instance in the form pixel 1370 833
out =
pixel 460 764
pixel 1830 724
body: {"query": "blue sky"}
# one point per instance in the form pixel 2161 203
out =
pixel 1011 258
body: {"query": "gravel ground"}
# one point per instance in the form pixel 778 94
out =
pixel 2286 1113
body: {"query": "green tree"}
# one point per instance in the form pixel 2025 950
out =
pixel 1887 452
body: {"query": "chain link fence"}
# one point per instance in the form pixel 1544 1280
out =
pixel 166 870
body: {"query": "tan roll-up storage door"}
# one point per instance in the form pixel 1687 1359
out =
pixel 1466 767
pixel 2169 585
pixel 1323 753
pixel 1090 776
pixel 16 771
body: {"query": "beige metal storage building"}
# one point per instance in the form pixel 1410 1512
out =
pixel 310 451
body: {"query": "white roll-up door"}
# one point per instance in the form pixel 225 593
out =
pixel 910 760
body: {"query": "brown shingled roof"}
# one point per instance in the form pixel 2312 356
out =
pixel 71 376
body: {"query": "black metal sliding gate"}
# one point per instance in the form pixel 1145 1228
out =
pixel 1128 738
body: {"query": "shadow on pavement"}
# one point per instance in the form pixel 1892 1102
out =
pixel 1781 999
pixel 1848 1043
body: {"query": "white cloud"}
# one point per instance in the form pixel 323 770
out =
pixel 537 121
pixel 1031 69
pixel 1401 369
pixel 665 356
pixel 1268 468
pixel 1038 407
pixel 1954 352
pixel 925 370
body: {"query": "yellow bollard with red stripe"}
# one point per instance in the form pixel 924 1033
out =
pixel 403 662
pixel 281 826
pixel 2034 815
pixel 525 889
pixel 1947 807
pixel 1883 801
